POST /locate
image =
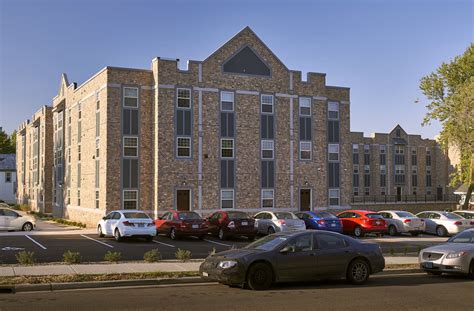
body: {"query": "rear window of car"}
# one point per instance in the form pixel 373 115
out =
pixel 374 216
pixel 404 214
pixel 283 215
pixel 237 215
pixel 324 215
pixel 451 216
pixel 188 215
pixel 136 215
pixel 463 237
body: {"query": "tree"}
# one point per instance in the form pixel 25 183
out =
pixel 6 143
pixel 450 90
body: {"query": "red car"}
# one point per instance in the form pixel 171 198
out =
pixel 227 224
pixel 179 223
pixel 360 222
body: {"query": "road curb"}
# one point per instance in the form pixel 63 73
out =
pixel 400 271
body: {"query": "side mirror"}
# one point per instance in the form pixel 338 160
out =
pixel 104 218
pixel 287 249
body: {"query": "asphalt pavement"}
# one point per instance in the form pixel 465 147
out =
pixel 387 292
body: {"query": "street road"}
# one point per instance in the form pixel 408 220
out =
pixel 403 292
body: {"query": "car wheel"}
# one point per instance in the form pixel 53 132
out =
pixel 221 234
pixel 392 230
pixel 441 231
pixel 434 272
pixel 173 234
pixel 471 269
pixel 99 231
pixel 358 232
pixel 27 226
pixel 117 235
pixel 260 276
pixel 271 230
pixel 358 272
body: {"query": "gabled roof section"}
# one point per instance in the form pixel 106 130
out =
pixel 246 61
pixel 401 130
pixel 63 85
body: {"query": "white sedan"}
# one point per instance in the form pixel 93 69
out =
pixel 403 222
pixel 444 223
pixel 11 220
pixel 126 223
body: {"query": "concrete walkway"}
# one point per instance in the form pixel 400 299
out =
pixel 133 267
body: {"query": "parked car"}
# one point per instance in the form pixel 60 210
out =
pixel 178 224
pixel 361 222
pixel 226 224
pixel 455 256
pixel 320 221
pixel 271 222
pixel 294 256
pixel 126 223
pixel 12 220
pixel 403 222
pixel 465 214
pixel 444 223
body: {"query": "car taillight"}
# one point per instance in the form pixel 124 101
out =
pixel 407 220
pixel 321 222
pixel 231 225
pixel 458 223
pixel 281 221
pixel 128 224
pixel 183 225
pixel 472 223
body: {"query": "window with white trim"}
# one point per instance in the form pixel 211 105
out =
pixel 333 197
pixel 356 168
pixel 183 147
pixel 399 169
pixel 227 198
pixel 227 148
pixel 130 97
pixel 267 149
pixel 333 152
pixel 399 149
pixel 305 106
pixel 183 98
pixel 333 110
pixel 267 198
pixel 130 199
pixel 130 146
pixel 266 103
pixel 305 150
pixel 227 101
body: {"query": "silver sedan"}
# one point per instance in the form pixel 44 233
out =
pixel 456 256
pixel 270 222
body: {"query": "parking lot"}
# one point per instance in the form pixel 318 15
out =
pixel 50 247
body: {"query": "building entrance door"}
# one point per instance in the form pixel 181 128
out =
pixel 183 200
pixel 439 194
pixel 399 194
pixel 305 199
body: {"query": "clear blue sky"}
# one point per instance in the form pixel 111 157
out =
pixel 380 49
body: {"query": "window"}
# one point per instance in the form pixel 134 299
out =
pixel 130 121
pixel 355 180
pixel 356 169
pixel 383 169
pixel 333 131
pixel 267 103
pixel 367 169
pixel 227 173
pixel 130 199
pixel 78 197
pixel 305 150
pixel 383 180
pixel 68 199
pixel 355 191
pixel 267 198
pixel 78 152
pixel 414 181
pixel 333 152
pixel 183 98
pixel 428 180
pixel 367 180
pixel 130 173
pixel 227 101
pixel 227 198
pixel 366 154
pixel 333 110
pixel 428 158
pixel 130 97
pixel 333 171
pixel 399 149
pixel 227 148
pixel 183 147
pixel 367 191
pixel 305 106
pixel 8 177
pixel 303 243
pixel 267 149
pixel 414 157
pixel 397 132
pixel 333 197
pixel 268 174
pixel 383 155
pixel 399 169
pixel 97 122
pixel 97 199
pixel 97 167
pixel 327 241
pixel 382 191
pixel 130 146
pixel 355 154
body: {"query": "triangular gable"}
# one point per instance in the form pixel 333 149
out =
pixel 246 61
pixel 398 131
pixel 63 85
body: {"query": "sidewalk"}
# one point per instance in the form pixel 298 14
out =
pixel 134 267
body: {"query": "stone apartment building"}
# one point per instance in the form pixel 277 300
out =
pixel 236 130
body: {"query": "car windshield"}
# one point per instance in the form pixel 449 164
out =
pixel 405 214
pixel 285 215
pixel 463 237
pixel 324 215
pixel 374 216
pixel 136 215
pixel 267 243
pixel 237 215
pixel 451 215
pixel 188 215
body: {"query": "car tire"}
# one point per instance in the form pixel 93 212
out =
pixel 117 235
pixel 221 234
pixel 392 230
pixel 437 273
pixel 358 272
pixel 441 231
pixel 27 226
pixel 271 230
pixel 260 276
pixel 173 235
pixel 471 270
pixel 358 232
pixel 99 231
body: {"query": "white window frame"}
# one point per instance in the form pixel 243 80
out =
pixel 383 170
pixel 124 96
pixel 178 138
pixel 333 107
pixel 399 149
pixel 178 98
pixel 310 150
pixel 129 200
pixel 355 148
pixel 304 102
pixel 265 145
pixel 399 169
pixel 130 146
pixel 262 103
pixel 355 169
pixel 231 100
pixel 331 193
pixel 272 191
pixel 227 148
pixel 222 198
pixel 335 150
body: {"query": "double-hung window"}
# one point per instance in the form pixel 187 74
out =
pixel 305 150
pixel 183 148
pixel 227 148
pixel 305 106
pixel 130 97
pixel 267 103
pixel 333 110
pixel 267 198
pixel 227 101
pixel 333 152
pixel 183 98
pixel 333 197
pixel 267 149
pixel 227 198
pixel 130 199
pixel 130 146
pixel 183 123
pixel 305 128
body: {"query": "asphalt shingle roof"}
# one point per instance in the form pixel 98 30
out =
pixel 7 162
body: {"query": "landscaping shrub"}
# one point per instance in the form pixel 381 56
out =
pixel 113 256
pixel 183 255
pixel 153 255
pixel 71 257
pixel 25 258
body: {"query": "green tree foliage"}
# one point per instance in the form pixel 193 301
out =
pixel 7 143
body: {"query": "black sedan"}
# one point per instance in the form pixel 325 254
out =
pixel 294 256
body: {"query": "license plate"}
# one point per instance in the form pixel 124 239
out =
pixel 141 225
pixel 333 225
pixel 377 222
pixel 195 226
pixel 205 274
pixel 428 265
pixel 245 223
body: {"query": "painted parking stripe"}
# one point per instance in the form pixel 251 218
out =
pixel 100 242
pixel 36 242
pixel 210 241
pixel 169 245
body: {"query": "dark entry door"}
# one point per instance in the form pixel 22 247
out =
pixel 399 193
pixel 439 194
pixel 305 199
pixel 182 200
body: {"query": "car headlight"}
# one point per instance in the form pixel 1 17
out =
pixel 455 255
pixel 227 264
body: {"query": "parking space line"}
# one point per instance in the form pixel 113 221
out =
pixel 169 245
pixel 210 241
pixel 36 242
pixel 100 242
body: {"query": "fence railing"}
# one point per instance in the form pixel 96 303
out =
pixel 406 198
